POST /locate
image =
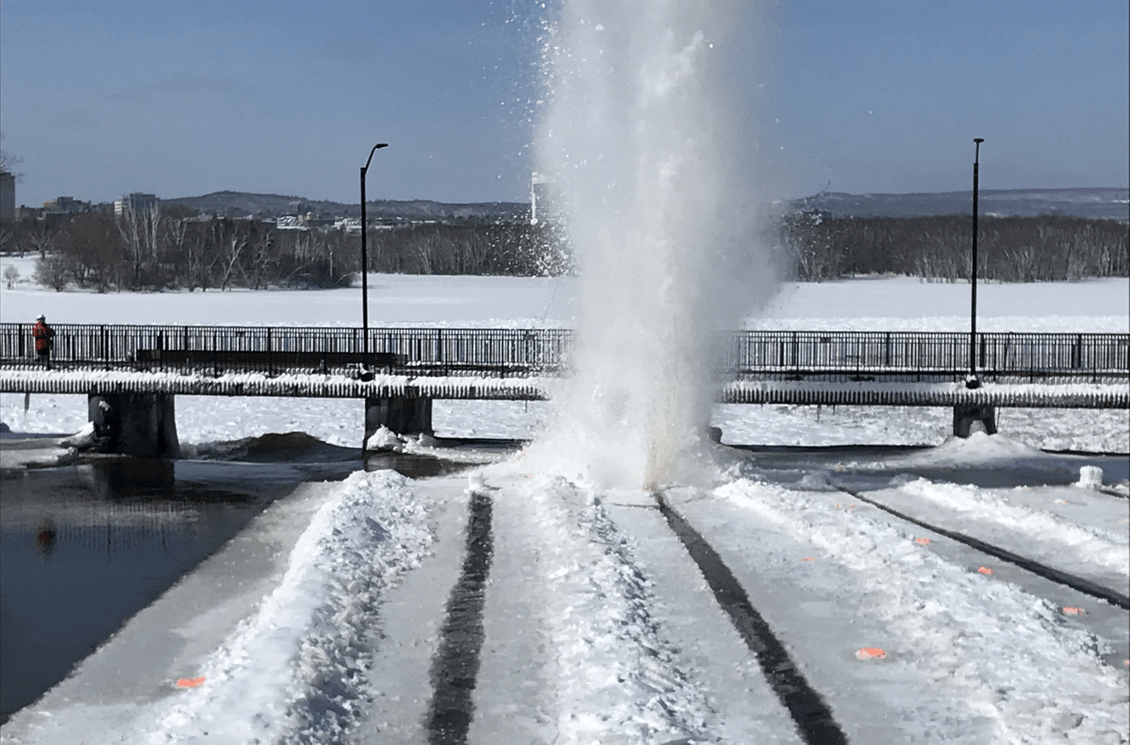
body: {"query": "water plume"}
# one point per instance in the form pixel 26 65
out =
pixel 647 142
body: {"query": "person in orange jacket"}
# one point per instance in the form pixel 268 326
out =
pixel 44 340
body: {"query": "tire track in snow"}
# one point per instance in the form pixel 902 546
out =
pixel 1080 584
pixel 456 665
pixel 810 713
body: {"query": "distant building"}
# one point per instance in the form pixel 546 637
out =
pixel 137 202
pixel 7 195
pixel 289 222
pixel 67 205
pixel 540 198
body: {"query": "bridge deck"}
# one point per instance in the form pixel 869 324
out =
pixel 804 367
pixel 842 392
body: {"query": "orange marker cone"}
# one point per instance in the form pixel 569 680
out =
pixel 1071 610
pixel 984 570
pixel 189 682
pixel 870 653
pixel 809 558
pixel 923 541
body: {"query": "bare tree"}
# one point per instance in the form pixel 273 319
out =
pixel 233 242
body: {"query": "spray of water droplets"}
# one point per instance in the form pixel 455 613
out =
pixel 646 142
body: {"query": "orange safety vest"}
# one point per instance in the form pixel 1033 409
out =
pixel 42 333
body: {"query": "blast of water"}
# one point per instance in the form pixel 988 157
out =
pixel 647 142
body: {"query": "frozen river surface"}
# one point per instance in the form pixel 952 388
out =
pixel 960 591
pixel 510 604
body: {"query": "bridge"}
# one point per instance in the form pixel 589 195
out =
pixel 133 371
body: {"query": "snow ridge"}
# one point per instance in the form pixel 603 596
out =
pixel 980 506
pixel 618 678
pixel 297 666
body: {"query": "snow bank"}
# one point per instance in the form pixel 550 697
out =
pixel 295 668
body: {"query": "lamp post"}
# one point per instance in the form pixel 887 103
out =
pixel 365 259
pixel 972 381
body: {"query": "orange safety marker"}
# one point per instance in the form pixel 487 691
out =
pixel 984 570
pixel 1071 610
pixel 924 541
pixel 870 653
pixel 809 558
pixel 189 682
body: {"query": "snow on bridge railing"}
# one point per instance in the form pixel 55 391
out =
pixel 508 352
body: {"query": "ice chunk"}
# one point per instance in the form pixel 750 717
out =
pixel 384 440
pixel 1090 477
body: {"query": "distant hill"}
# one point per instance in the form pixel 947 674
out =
pixel 238 203
pixel 1102 203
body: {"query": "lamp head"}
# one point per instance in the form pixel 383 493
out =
pixel 376 147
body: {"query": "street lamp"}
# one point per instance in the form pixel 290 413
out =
pixel 365 259
pixel 972 381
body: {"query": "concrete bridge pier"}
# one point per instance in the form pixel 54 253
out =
pixel 968 418
pixel 138 424
pixel 402 415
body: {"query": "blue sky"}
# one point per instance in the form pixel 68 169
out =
pixel 183 97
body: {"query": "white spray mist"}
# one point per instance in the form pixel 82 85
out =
pixel 648 144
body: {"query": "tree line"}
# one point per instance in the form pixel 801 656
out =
pixel 168 249
pixel 171 249
pixel 939 249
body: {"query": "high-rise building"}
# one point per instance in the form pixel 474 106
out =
pixel 137 202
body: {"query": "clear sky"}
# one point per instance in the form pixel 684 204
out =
pixel 184 97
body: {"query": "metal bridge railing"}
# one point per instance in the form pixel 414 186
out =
pixel 217 349
pixel 998 354
pixel 517 352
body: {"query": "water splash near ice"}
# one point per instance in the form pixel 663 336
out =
pixel 648 144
